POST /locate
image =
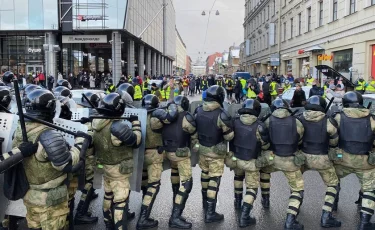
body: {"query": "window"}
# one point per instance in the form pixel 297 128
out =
pixel 334 10
pixel 320 13
pixel 267 40
pixel 260 17
pixel 342 60
pixel 372 2
pixel 291 27
pixel 299 23
pixel 274 6
pixel 308 19
pixel 352 6
pixel 284 2
pixel 268 12
pixel 264 15
pixel 284 31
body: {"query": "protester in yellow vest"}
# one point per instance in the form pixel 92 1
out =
pixel 111 88
pixel 273 90
pixel 371 86
pixel 361 86
pixel 155 90
pixel 243 82
pixel 137 90
pixel 251 93
pixel 287 85
pixel 229 83
pixel 309 80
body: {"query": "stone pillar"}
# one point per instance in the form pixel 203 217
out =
pixel 116 57
pixel 141 60
pixel 158 64
pixel 148 61
pixel 50 57
pixel 130 58
pixel 162 64
pixel 153 64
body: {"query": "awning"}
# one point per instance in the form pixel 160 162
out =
pixel 314 48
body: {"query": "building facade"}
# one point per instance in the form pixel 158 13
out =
pixel 233 59
pixel 188 65
pixel 292 37
pixel 210 62
pixel 198 70
pixel 69 36
pixel 179 64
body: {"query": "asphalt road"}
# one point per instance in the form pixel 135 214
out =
pixel 271 219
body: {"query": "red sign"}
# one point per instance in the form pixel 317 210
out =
pixel 301 51
pixel 373 62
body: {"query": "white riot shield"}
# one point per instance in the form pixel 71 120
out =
pixel 138 154
pixel 79 113
pixel 69 125
pixel 8 125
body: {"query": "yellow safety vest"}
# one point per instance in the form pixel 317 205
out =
pixel 111 89
pixel 145 84
pixel 273 89
pixel 361 85
pixel 243 83
pixel 309 81
pixel 371 88
pixel 286 87
pixel 137 92
pixel 227 83
pixel 162 93
pixel 167 92
pixel 251 94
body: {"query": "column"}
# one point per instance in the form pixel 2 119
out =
pixel 116 57
pixel 131 70
pixel 50 56
pixel 162 64
pixel 158 65
pixel 141 60
pixel 148 61
pixel 153 64
pixel 166 66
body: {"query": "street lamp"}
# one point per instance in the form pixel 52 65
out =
pixel 217 12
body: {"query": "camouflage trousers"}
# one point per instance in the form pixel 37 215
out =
pixel 89 176
pixel 323 165
pixel 365 173
pixel 116 194
pixel 212 170
pixel 47 218
pixel 295 180
pixel 151 176
pixel 72 189
pixel 181 171
pixel 246 170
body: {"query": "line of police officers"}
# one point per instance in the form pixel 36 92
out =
pixel 334 146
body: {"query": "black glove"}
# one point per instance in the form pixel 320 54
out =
pixel 132 118
pixel 85 120
pixel 28 148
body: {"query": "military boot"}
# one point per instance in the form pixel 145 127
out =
pixel 237 201
pixel 176 220
pixel 266 201
pixel 204 199
pixel 245 218
pixel 328 221
pixel 291 223
pixel 365 223
pixel 211 214
pixel 109 225
pixel 144 222
pixel 82 216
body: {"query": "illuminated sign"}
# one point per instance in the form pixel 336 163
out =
pixel 325 57
pixel 31 50
pixel 89 17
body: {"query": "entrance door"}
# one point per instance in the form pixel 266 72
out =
pixel 34 68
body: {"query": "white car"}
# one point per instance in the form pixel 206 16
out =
pixel 367 98
pixel 288 94
pixel 77 93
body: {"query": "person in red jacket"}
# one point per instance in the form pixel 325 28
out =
pixel 42 79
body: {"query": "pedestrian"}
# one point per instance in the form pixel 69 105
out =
pixel 50 82
pixel 42 79
pixel 299 97
pixel 185 85
pixel 204 83
pixel 266 88
pixel 229 83
pixel 20 78
pixel 316 90
pixel 360 85
pixel 198 85
pixel 274 86
pixel 92 81
pixel 237 91
pixel 192 84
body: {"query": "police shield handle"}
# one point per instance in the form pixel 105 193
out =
pixel 20 111
pixel 88 101
pixel 130 118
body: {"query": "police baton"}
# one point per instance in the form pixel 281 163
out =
pixel 329 104
pixel 20 111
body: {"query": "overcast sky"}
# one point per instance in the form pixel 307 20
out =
pixel 223 30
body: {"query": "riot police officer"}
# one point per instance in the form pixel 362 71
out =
pixel 8 77
pixel 129 88
pixel 320 136
pixel 250 138
pixel 284 143
pixel 213 127
pixel 355 154
pixel 114 142
pixel 62 91
pixel 63 82
pixel 153 163
pixel 92 97
pixel 176 139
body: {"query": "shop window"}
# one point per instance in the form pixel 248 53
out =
pixel 342 60
pixel 335 10
pixel 308 19
pixel 320 13
pixel 352 6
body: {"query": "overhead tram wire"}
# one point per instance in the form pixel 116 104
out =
pixel 208 22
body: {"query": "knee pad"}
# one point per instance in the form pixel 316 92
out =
pixel 216 179
pixel 188 185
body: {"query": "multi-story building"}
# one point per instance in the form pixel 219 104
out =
pixel 233 59
pixel 179 64
pixel 198 69
pixel 210 62
pixel 188 65
pixel 289 36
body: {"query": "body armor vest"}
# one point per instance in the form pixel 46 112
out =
pixel 283 135
pixel 208 132
pixel 246 145
pixel 174 136
pixel 153 139
pixel 37 172
pixel 356 136
pixel 107 153
pixel 315 137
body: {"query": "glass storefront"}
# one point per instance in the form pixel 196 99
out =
pixel 342 60
pixel 22 54
pixel 304 66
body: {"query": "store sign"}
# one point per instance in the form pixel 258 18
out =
pixel 325 57
pixel 99 46
pixel 275 59
pixel 89 17
pixel 84 39
pixel 301 51
pixel 31 50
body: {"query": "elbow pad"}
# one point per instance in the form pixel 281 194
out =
pixel 56 147
pixel 263 131
pixel 120 130
pixel 190 119
pixel 225 118
pixel 170 115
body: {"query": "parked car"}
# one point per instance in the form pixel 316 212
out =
pixel 243 75
pixel 288 94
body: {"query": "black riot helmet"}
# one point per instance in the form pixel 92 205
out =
pixel 62 91
pixel 63 82
pixel 279 103
pixel 41 103
pixel 252 107
pixel 29 88
pixel 215 93
pixel 316 103
pixel 93 98
pixel 183 102
pixel 129 88
pixel 352 99
pixel 112 105
pixel 65 112
pixel 150 101
pixel 8 77
pixel 5 97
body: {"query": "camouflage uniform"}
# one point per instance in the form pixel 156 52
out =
pixel 286 165
pixel 117 161
pixel 211 159
pixel 47 199
pixel 322 163
pixel 358 164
